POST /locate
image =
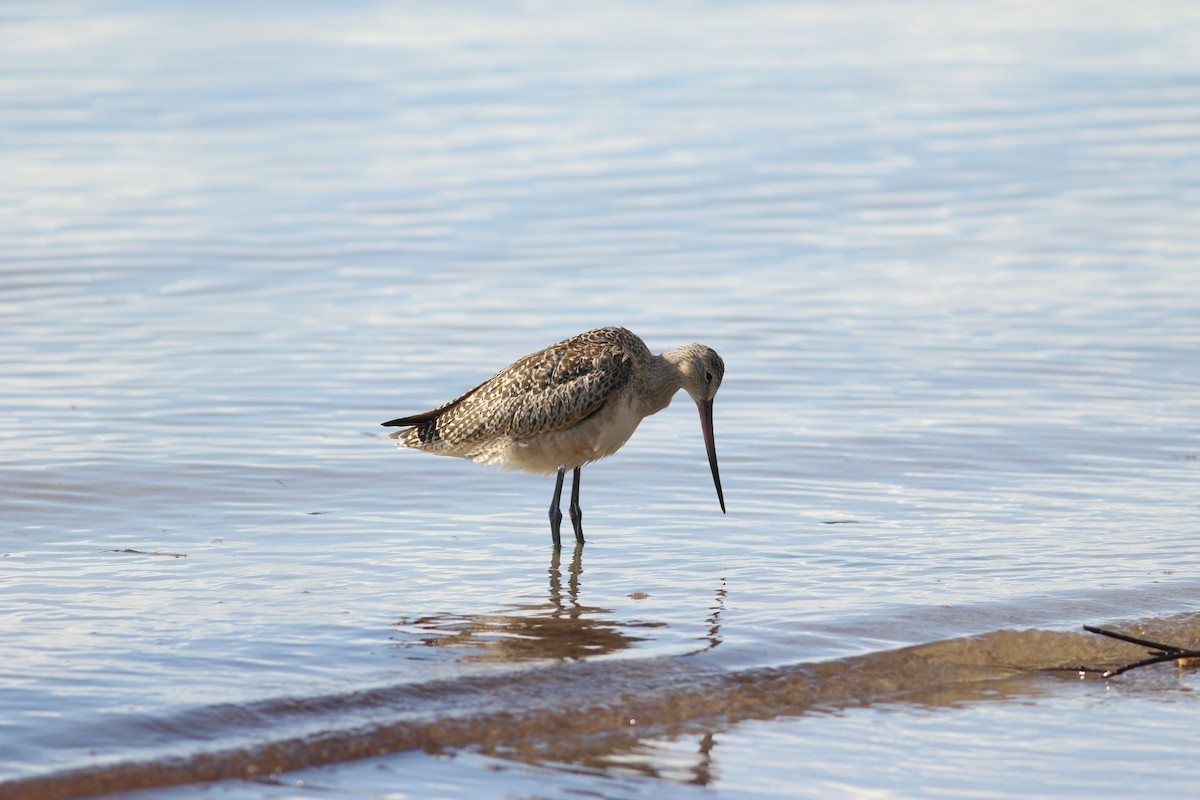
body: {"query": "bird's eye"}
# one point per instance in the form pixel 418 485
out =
pixel 708 376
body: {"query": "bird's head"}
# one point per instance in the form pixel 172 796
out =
pixel 701 370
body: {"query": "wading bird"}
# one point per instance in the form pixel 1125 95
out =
pixel 568 405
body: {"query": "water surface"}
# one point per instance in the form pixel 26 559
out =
pixel 948 254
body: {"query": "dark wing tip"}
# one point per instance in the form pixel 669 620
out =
pixel 415 419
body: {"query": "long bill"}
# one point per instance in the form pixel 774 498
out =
pixel 706 424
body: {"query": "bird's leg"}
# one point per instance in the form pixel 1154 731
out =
pixel 576 511
pixel 555 513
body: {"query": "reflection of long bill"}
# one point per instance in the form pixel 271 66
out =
pixel 706 425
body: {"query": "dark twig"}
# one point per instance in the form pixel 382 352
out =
pixel 1124 637
pixel 1158 652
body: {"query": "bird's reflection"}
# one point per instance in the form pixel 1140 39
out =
pixel 713 636
pixel 561 628
pixel 683 757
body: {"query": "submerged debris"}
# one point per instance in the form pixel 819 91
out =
pixel 147 553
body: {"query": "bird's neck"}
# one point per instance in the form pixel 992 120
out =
pixel 664 380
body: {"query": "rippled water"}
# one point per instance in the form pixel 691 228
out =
pixel 1027 736
pixel 948 253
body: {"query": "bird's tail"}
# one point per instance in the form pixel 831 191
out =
pixel 417 430
pixel 414 420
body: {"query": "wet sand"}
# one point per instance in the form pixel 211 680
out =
pixel 576 712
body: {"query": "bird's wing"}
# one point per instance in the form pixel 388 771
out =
pixel 576 385
pixel 547 391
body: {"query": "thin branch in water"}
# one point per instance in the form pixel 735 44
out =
pixel 1158 652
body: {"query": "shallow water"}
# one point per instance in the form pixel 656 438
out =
pixel 972 733
pixel 948 255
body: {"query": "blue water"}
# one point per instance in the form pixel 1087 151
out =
pixel 948 254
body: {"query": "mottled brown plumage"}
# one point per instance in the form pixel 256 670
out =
pixel 543 393
pixel 565 406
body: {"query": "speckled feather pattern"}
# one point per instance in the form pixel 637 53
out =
pixel 548 391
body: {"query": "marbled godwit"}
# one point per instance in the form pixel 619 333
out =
pixel 568 405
